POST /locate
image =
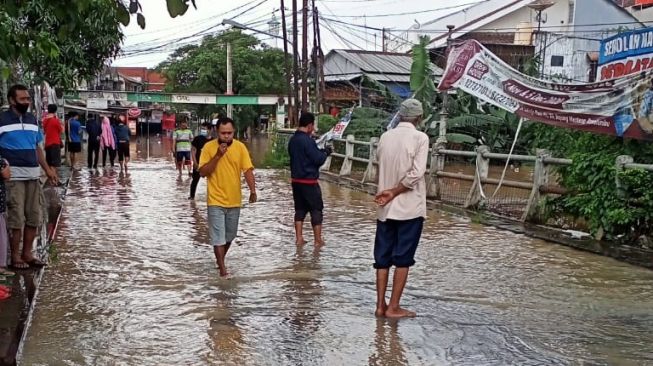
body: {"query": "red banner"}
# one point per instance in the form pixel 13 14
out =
pixel 168 122
pixel 621 107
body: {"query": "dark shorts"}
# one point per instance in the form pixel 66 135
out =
pixel 74 147
pixel 183 155
pixel 396 242
pixel 123 150
pixel 53 155
pixel 308 198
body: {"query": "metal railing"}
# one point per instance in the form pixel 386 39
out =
pixel 520 197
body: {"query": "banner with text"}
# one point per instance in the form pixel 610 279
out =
pixel 621 107
pixel 625 54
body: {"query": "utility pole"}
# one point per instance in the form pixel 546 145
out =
pixel 442 135
pixel 295 66
pixel 286 65
pixel 383 48
pixel 304 55
pixel 230 91
pixel 318 64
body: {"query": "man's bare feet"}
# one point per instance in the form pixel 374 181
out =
pixel 380 311
pixel 399 313
pixel 319 241
pixel 300 241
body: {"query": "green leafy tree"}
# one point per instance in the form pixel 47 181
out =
pixel 421 74
pixel 257 69
pixel 63 41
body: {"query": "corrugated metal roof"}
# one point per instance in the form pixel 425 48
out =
pixel 372 62
pixel 341 77
pixel 390 78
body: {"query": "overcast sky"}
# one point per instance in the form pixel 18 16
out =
pixel 163 34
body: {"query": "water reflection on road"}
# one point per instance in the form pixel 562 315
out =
pixel 134 283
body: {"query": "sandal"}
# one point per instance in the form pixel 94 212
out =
pixel 19 266
pixel 6 272
pixel 35 263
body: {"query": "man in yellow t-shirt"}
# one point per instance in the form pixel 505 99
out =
pixel 222 162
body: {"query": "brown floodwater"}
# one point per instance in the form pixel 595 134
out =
pixel 133 282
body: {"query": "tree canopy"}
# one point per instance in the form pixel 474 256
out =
pixel 257 69
pixel 62 41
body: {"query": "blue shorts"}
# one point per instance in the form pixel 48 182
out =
pixel 181 155
pixel 396 242
pixel 223 224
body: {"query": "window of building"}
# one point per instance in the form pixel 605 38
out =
pixel 594 66
pixel 557 61
pixel 572 10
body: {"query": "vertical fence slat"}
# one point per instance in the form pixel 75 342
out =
pixel 474 198
pixel 433 188
pixel 370 172
pixel 345 170
pixel 540 179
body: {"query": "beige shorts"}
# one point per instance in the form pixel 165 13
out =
pixel 24 203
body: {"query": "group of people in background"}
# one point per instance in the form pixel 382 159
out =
pixel 108 135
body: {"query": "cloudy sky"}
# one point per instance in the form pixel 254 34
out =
pixel 339 24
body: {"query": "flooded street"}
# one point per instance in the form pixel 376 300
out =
pixel 133 282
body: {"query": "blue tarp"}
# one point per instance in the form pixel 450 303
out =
pixel 400 89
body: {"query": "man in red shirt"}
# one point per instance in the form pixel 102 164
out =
pixel 53 128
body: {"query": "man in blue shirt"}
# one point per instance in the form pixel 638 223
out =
pixel 122 143
pixel 305 162
pixel 74 138
pixel 19 144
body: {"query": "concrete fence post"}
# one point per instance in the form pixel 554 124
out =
pixel 345 170
pixel 482 168
pixel 540 179
pixel 370 172
pixel 620 163
pixel 433 187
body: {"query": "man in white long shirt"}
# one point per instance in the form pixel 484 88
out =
pixel 402 156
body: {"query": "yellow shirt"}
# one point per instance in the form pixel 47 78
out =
pixel 223 184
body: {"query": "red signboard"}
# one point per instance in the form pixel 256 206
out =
pixel 168 122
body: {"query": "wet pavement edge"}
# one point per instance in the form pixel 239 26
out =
pixel 16 312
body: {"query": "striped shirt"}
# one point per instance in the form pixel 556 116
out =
pixel 19 139
pixel 183 139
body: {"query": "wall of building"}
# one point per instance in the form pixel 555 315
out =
pixel 557 18
pixel 589 27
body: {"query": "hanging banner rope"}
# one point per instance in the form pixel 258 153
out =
pixel 620 107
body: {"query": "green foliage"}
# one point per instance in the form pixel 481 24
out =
pixel 367 122
pixel 326 122
pixel 277 154
pixel 470 123
pixel 58 40
pixel 614 212
pixel 421 75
